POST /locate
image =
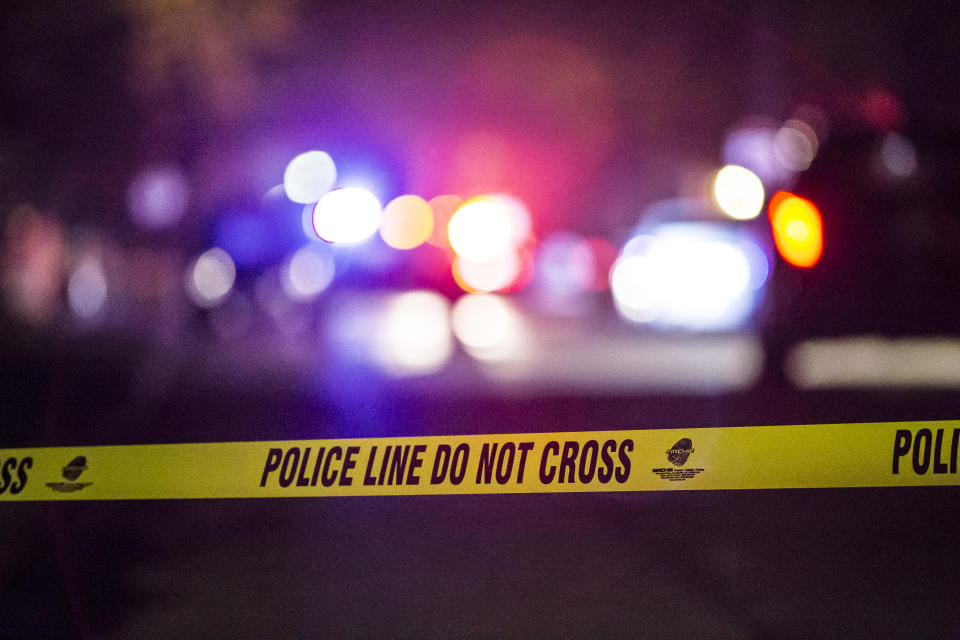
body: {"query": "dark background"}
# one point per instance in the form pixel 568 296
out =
pixel 91 93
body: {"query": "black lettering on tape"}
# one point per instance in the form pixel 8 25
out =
pixel 504 471
pixel 921 464
pixel 938 467
pixel 416 461
pixel 316 467
pixel 568 461
pixel 546 477
pixel 8 465
pixel 348 464
pixel 18 486
pixel 458 466
pixel 623 473
pixel 441 461
pixel 301 480
pixel 485 466
pixel 369 480
pixel 326 479
pixel 398 465
pixel 273 462
pixel 383 464
pixel 289 462
pixel 585 470
pixel 605 474
pixel 901 446
pixel 953 450
pixel 524 448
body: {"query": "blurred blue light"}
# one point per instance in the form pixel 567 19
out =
pixel 369 167
pixel 247 237
pixel 257 238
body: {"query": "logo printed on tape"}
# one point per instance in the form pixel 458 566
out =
pixel 679 452
pixel 71 472
pixel 678 455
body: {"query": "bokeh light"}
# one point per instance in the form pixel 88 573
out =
pixel 308 176
pixel 413 337
pixel 633 282
pixel 158 196
pixel 347 216
pixel 565 265
pixel 753 145
pixel 443 207
pixel 87 288
pixel 211 277
pixel 525 272
pixel 482 229
pixel 797 229
pixel 738 192
pixel 882 110
pixel 898 156
pixel 519 215
pixel 32 271
pixel 691 276
pixel 484 276
pixel 535 116
pixel 407 222
pixel 309 272
pixel 795 145
pixel 489 327
pixel 306 222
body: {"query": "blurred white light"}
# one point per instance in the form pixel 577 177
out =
pixel 520 220
pixel 688 276
pixel 603 362
pixel 306 222
pixel 795 145
pixel 636 288
pixel 738 192
pixel 347 216
pixel 309 272
pixel 308 176
pixel 898 155
pixel 482 229
pixel 489 327
pixel 876 362
pixel 158 196
pixel 87 288
pixel 494 274
pixel 211 278
pixel 413 337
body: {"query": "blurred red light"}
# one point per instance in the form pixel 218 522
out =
pixel 797 229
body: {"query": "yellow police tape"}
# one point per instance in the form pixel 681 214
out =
pixel 778 457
